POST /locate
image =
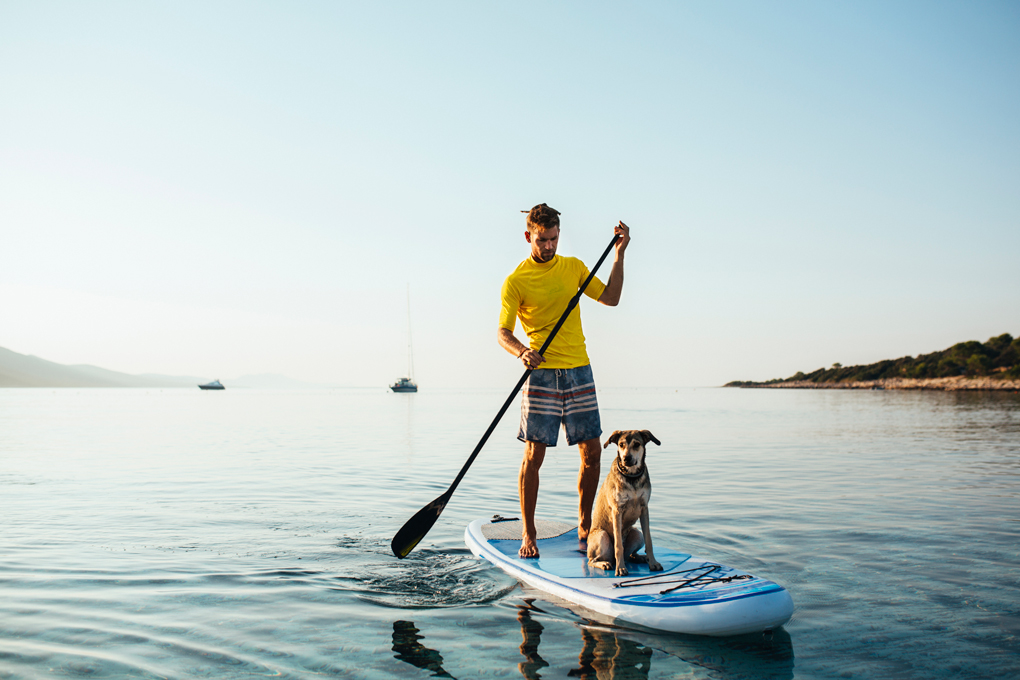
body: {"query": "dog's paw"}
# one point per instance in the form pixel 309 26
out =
pixel 654 565
pixel 637 559
pixel 601 564
pixel 621 570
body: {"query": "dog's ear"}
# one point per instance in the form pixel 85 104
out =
pixel 649 437
pixel 613 439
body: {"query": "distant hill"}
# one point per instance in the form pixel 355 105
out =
pixel 999 358
pixel 25 370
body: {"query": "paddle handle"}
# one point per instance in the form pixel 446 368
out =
pixel 520 383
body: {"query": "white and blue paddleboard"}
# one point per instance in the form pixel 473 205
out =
pixel 690 595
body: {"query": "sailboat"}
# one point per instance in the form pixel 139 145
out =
pixel 407 384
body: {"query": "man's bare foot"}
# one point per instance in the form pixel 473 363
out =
pixel 528 548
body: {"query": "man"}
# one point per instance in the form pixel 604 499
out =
pixel 562 391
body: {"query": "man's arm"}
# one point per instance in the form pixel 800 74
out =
pixel 508 341
pixel 614 286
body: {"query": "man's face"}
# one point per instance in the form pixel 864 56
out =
pixel 543 243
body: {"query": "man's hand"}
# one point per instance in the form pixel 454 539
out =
pixel 614 286
pixel 531 358
pixel 622 230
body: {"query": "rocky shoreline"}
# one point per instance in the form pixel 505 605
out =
pixel 953 384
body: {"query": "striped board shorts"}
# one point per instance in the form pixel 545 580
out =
pixel 555 396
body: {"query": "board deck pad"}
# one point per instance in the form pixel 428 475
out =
pixel 510 529
pixel 559 554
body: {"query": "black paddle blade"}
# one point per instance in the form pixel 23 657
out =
pixel 415 528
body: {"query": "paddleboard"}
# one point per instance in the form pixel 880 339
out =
pixel 690 595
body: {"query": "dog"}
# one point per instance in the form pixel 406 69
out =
pixel 623 499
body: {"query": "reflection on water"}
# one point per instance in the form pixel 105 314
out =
pixel 611 651
pixel 408 649
pixel 606 655
pixel 607 652
pixel 531 637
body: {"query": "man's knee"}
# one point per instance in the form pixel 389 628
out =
pixel 534 453
pixel 591 452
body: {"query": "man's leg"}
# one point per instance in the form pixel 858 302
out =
pixel 527 485
pixel 587 483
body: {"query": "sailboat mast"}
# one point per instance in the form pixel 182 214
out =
pixel 410 352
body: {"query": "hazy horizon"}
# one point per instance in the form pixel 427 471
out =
pixel 241 189
pixel 261 380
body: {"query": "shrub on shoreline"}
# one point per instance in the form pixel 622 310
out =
pixel 999 357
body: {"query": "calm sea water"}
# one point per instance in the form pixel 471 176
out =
pixel 245 533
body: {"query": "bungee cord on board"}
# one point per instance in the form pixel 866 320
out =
pixel 702 579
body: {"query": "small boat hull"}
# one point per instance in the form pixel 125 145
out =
pixel 404 385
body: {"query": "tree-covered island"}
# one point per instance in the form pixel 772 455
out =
pixel 971 365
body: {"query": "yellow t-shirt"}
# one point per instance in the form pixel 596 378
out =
pixel 538 293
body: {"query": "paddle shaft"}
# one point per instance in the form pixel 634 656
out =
pixel 415 528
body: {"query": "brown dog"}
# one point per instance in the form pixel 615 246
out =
pixel 622 499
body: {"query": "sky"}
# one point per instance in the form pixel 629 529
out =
pixel 229 188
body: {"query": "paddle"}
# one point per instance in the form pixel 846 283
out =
pixel 415 528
